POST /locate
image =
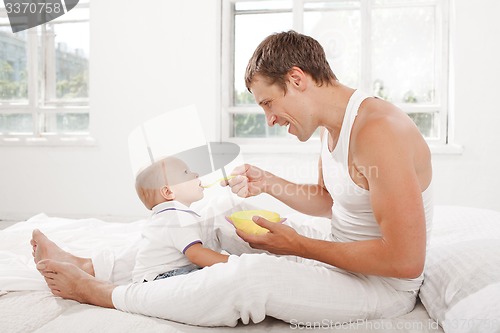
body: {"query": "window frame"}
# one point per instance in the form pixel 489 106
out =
pixel 442 144
pixel 39 104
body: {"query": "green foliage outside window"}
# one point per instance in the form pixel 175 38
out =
pixel 10 89
pixel 76 87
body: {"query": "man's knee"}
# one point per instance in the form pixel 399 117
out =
pixel 255 268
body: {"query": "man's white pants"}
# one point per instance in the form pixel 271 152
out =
pixel 251 286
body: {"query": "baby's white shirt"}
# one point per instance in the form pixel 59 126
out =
pixel 171 230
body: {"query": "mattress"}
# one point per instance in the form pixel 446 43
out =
pixel 32 308
pixel 40 311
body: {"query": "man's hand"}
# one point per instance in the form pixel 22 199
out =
pixel 281 239
pixel 249 181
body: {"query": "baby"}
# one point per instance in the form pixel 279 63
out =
pixel 171 242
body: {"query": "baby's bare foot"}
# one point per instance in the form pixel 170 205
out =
pixel 44 248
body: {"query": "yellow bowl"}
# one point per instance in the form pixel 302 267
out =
pixel 242 220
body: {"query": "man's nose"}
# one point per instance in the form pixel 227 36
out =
pixel 271 120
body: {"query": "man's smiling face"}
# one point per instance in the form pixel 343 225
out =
pixel 283 109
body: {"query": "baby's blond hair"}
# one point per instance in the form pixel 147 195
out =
pixel 151 179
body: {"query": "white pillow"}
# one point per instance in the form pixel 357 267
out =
pixel 461 288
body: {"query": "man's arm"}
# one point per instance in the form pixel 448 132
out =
pixel 201 256
pixel 310 199
pixel 396 198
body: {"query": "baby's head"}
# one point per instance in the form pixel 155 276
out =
pixel 166 180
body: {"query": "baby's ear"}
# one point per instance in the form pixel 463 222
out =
pixel 167 193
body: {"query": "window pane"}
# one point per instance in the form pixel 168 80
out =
pixel 67 123
pixel 339 32
pixel 404 54
pixel 70 42
pixel 427 123
pixel 16 123
pixel 401 2
pixel 255 126
pixel 13 65
pixel 332 5
pixel 263 5
pixel 404 57
pixel 247 36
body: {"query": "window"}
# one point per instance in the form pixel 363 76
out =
pixel 395 49
pixel 44 76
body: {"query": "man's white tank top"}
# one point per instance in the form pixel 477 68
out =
pixel 352 213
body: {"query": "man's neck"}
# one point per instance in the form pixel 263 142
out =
pixel 334 104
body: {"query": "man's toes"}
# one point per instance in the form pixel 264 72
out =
pixel 48 274
pixel 56 292
pixel 48 267
pixel 49 279
pixel 42 264
pixel 35 234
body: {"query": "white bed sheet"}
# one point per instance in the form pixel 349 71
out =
pixel 34 309
pixel 40 312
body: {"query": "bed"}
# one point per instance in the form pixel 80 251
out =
pixel 461 291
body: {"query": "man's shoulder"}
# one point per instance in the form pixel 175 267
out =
pixel 379 121
pixel 382 129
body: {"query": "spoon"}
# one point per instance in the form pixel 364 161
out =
pixel 218 181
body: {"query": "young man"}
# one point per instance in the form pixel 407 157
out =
pixel 374 183
pixel 375 164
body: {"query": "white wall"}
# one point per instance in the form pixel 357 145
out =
pixel 144 60
pixel 147 61
pixel 471 179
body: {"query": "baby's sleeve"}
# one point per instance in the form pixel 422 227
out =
pixel 183 237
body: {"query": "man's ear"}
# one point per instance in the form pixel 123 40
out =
pixel 297 78
pixel 167 193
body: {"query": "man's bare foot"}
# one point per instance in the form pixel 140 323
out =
pixel 44 248
pixel 68 281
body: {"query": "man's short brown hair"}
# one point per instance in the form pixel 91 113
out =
pixel 278 53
